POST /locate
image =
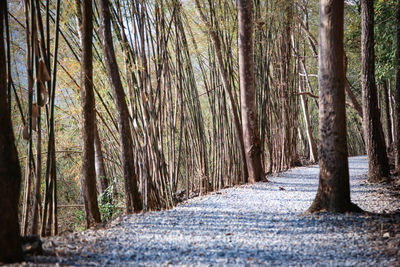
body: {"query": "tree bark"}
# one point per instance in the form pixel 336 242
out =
pixel 133 202
pixel 333 193
pixel 251 136
pixel 10 172
pixel 286 90
pixel 397 94
pixel 88 118
pixel 102 180
pixel 387 112
pixel 378 167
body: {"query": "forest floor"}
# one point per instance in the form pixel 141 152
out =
pixel 258 224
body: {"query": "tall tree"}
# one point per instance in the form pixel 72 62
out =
pixel 378 167
pixel 88 118
pixel 397 93
pixel 227 88
pixel 133 202
pixel 251 136
pixel 102 182
pixel 10 172
pixel 287 109
pixel 333 193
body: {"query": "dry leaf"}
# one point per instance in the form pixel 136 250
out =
pixel 44 96
pixel 43 73
pixel 35 110
pixel 25 133
pixel 34 124
pixel 36 41
pixel 144 97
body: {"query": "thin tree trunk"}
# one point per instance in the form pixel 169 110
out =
pixel 397 94
pixel 333 193
pixel 30 29
pixel 350 94
pixel 133 202
pixel 38 181
pixel 10 172
pixel 88 118
pixel 378 167
pixel 49 217
pixel 353 99
pixel 387 113
pixel 309 130
pixel 286 88
pixel 102 180
pixel 251 135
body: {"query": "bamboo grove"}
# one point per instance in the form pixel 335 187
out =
pixel 178 63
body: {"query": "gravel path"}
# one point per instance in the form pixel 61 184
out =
pixel 248 225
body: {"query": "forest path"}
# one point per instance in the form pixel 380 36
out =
pixel 248 225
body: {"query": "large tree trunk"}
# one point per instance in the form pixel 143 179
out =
pixel 251 136
pixel 333 193
pixel 378 167
pixel 88 118
pixel 397 94
pixel 133 202
pixel 10 172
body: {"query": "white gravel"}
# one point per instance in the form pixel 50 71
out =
pixel 256 224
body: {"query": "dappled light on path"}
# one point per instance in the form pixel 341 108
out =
pixel 251 224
